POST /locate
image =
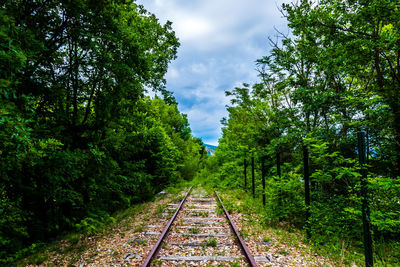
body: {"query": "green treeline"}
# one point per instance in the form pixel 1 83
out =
pixel 78 137
pixel 338 71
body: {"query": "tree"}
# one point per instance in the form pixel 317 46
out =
pixel 79 140
pixel 358 38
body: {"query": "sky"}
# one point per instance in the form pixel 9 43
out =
pixel 220 42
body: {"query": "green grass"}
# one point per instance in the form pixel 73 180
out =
pixel 74 238
pixel 244 233
pixel 191 206
pixel 38 258
pixel 157 262
pixel 283 252
pixel 178 198
pixel 266 239
pixel 139 228
pixel 194 230
pixel 160 210
pixel 220 211
pixel 201 213
pixel 234 264
pixel 212 242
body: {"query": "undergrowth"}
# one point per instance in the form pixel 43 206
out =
pixel 340 251
pixel 71 245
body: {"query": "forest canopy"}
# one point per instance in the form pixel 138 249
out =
pixel 335 73
pixel 79 137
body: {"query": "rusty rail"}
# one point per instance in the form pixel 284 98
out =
pixel 243 246
pixel 157 246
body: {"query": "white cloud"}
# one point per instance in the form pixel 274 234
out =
pixel 202 123
pixel 208 24
pixel 198 68
pixel 192 28
pixel 220 41
pixel 172 73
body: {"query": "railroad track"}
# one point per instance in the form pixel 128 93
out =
pixel 200 233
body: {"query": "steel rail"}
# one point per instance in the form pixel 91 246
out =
pixel 242 244
pixel 157 246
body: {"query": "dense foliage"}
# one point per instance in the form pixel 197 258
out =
pixel 79 138
pixel 337 72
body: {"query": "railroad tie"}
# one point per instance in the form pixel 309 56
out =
pixel 199 234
